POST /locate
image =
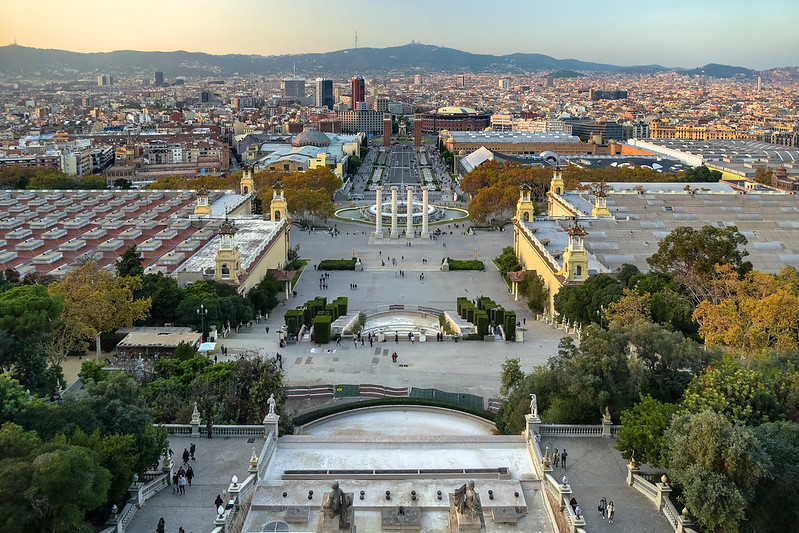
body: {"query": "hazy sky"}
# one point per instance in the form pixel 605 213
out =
pixel 752 33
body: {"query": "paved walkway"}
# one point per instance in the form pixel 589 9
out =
pixel 596 469
pixel 217 460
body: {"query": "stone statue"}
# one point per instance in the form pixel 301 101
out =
pixel 533 405
pixel 253 460
pixel 339 504
pixel 271 402
pixel 195 415
pixel 606 415
pixel 466 501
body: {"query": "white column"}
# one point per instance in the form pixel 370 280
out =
pixel 379 216
pixel 425 235
pixel 409 223
pixel 394 233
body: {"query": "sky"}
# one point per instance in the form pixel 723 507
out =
pixel 758 34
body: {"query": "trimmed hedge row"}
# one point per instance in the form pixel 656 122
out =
pixel 305 418
pixel 312 310
pixel 465 264
pixel 337 264
pixel 486 315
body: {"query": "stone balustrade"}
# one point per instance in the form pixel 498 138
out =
pixel 570 430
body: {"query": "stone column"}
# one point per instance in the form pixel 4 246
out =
pixel 394 233
pixel 424 235
pixel 379 216
pixel 409 213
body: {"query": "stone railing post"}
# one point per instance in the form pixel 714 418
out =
pixel 233 491
pixel 270 424
pixel 253 463
pixel 606 422
pixel 683 521
pixel 533 425
pixel 632 469
pixel 663 491
pixel 195 422
pixel 135 491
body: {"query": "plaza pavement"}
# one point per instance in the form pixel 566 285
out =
pixel 595 469
pixel 217 461
pixel 472 367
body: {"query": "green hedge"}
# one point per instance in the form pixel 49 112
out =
pixel 321 328
pixel 305 418
pixel 482 322
pixel 292 318
pixel 509 325
pixel 465 264
pixel 337 264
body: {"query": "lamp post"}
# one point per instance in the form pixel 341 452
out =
pixel 202 312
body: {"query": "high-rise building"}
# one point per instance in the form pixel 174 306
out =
pixel 417 79
pixel 358 91
pixel 417 130
pixel 105 79
pixel 324 93
pixel 159 79
pixel 504 83
pixel 294 88
pixel 460 80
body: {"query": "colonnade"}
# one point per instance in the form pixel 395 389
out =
pixel 409 234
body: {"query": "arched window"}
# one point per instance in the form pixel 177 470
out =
pixel 526 216
pixel 578 272
pixel 277 216
pixel 246 189
pixel 225 272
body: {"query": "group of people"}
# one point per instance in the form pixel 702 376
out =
pixel 559 458
pixel 607 509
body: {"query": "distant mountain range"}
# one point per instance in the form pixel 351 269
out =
pixel 406 59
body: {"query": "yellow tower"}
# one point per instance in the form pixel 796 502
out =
pixel 247 185
pixel 524 207
pixel 228 258
pixel 556 185
pixel 278 208
pixel 600 203
pixel 202 207
pixel 575 258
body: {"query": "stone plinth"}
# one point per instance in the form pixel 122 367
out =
pixel 401 519
pixel 457 522
pixel 505 515
pixel 296 514
pixel 331 525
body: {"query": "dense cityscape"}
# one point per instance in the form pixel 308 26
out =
pixel 193 259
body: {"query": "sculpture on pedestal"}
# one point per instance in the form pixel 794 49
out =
pixel 195 415
pixel 466 501
pixel 272 403
pixel 339 504
pixel 533 405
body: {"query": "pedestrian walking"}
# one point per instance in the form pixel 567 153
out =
pixel 192 449
pixel 182 484
pixel 611 512
pixel 175 483
pixel 267 330
pixel 186 456
pixel 189 474
pixel 396 338
pixel 218 502
pixel 563 458
pixel 160 528
pixel 208 427
pixel 602 507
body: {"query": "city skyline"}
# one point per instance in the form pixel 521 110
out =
pixel 681 34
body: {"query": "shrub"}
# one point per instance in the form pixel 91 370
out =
pixel 321 331
pixel 337 264
pixel 465 264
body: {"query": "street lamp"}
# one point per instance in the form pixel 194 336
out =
pixel 202 312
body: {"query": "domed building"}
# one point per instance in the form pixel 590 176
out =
pixel 455 118
pixel 311 137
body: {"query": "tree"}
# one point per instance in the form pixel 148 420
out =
pixel 718 465
pixel 584 303
pixel 691 257
pixel 534 288
pixel 121 183
pixel 763 175
pixel 702 174
pixel 130 263
pixel 748 395
pixel 512 374
pixel 627 310
pixel 507 261
pixel 779 440
pixel 753 313
pixel 13 399
pixel 95 301
pixel 643 427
